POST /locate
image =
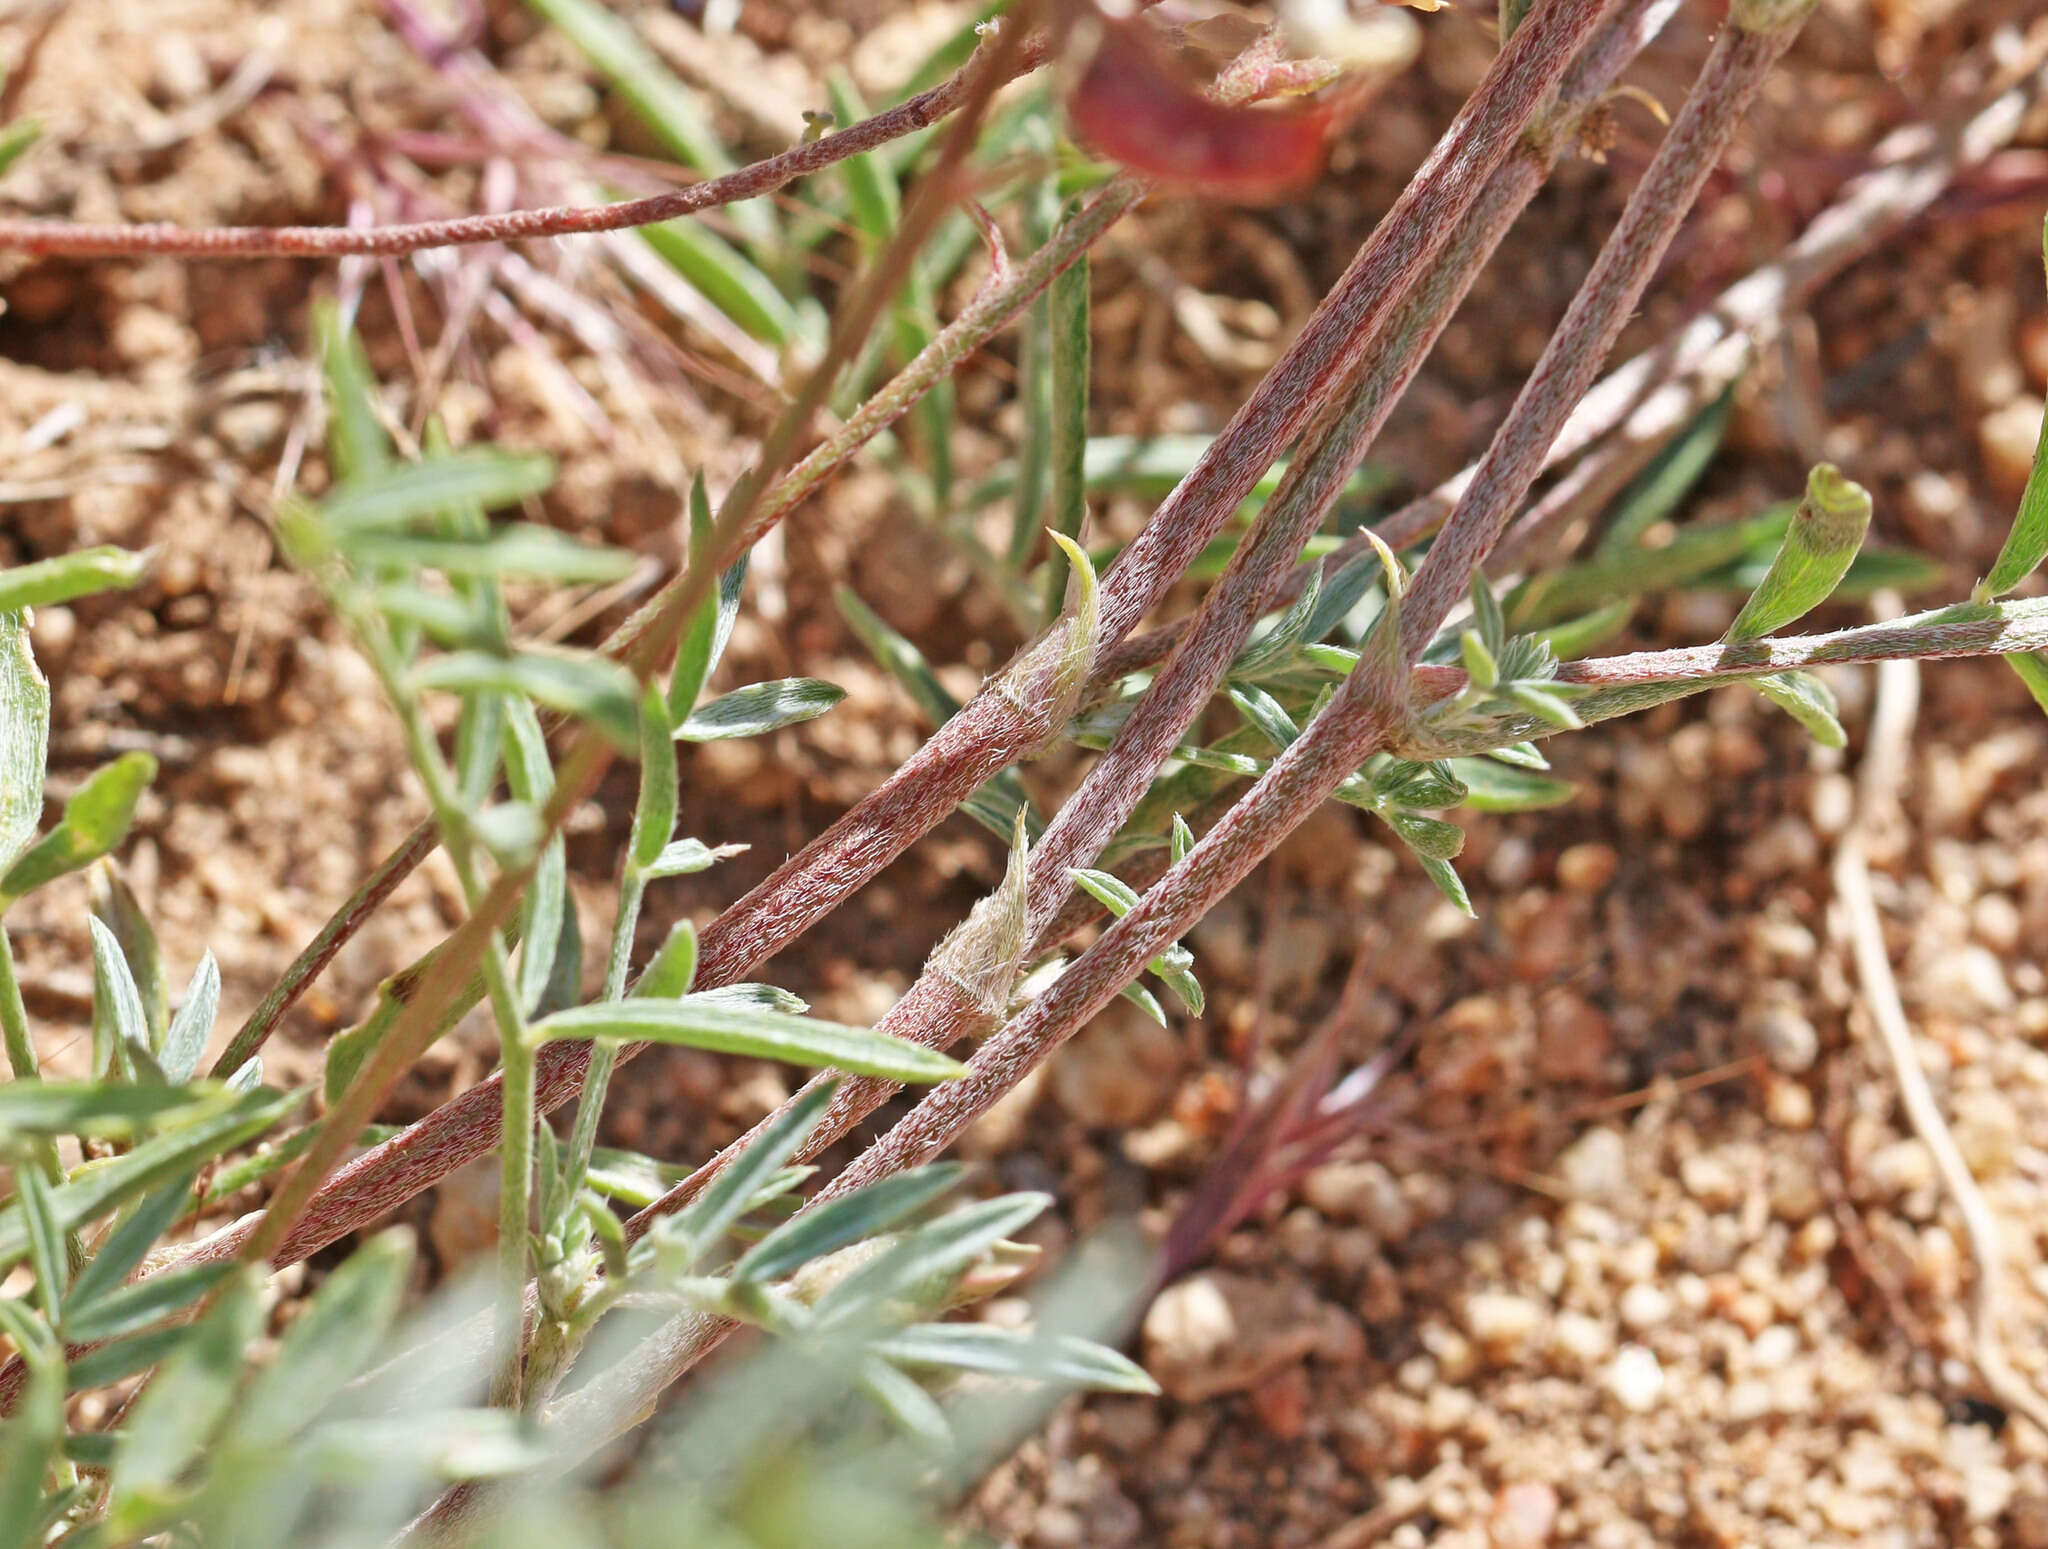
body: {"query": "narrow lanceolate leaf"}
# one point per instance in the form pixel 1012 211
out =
pixel 45 1240
pixel 1002 1352
pixel 177 1414
pixel 193 1023
pixel 703 641
pixel 104 1109
pixel 767 1035
pixel 399 496
pixel 28 1446
pixel 357 444
pixel 124 1248
pixel 908 1406
pixel 132 1308
pixel 1492 786
pixel 96 818
pixel 734 1190
pixel 2027 543
pixel 726 276
pixel 532 779
pixel 69 576
pixel 1431 838
pixel 119 1030
pixel 116 906
pixel 663 103
pixel 330 1343
pixel 588 687
pixel 1068 304
pixel 673 968
pixel 686 857
pixel 24 737
pixel 1808 701
pixel 869 185
pixel 1480 666
pixel 512 549
pixel 100 1187
pixel 923 1265
pixel 1820 544
pixel 826 1228
pixel 16 138
pixel 2032 670
pixel 749 996
pixel 1448 883
pixel 654 813
pixel 898 656
pixel 760 708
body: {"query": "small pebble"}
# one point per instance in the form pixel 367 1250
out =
pixel 1580 1340
pixel 1643 1306
pixel 1773 1347
pixel 1587 868
pixel 1789 1041
pixel 2006 439
pixel 1902 1167
pixel 1710 1180
pixel 1502 1322
pixel 1595 1166
pixel 1523 1517
pixel 1635 1380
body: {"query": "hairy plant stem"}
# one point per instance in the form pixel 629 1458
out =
pixel 1644 402
pixel 515 1054
pixel 935 1012
pixel 605 1054
pixel 85 240
pixel 465 1128
pixel 1743 55
pixel 1369 710
pixel 1521 79
pixel 996 727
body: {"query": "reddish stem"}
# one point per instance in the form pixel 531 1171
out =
pixel 80 240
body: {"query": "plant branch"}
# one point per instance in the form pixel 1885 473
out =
pixel 84 240
pixel 1645 401
pixel 1368 711
pixel 936 1011
pixel 645 652
pixel 1757 35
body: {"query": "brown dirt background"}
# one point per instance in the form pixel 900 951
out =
pixel 1566 1296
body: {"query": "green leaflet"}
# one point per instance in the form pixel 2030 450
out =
pixel 1820 544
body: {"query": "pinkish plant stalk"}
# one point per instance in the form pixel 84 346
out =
pixel 936 1011
pixel 83 240
pixel 1759 33
pixel 1010 719
pixel 1369 711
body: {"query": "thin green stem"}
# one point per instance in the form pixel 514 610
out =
pixel 516 1053
pixel 21 1053
pixel 604 1056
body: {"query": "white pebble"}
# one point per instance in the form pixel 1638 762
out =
pixel 1635 1380
pixel 1644 1306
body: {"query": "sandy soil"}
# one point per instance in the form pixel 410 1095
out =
pixel 1568 1293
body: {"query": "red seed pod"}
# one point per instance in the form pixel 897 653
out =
pixel 1135 105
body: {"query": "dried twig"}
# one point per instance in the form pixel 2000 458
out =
pixel 1879 781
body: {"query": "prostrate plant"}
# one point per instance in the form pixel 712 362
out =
pixel 1405 691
